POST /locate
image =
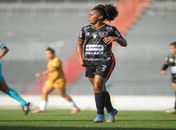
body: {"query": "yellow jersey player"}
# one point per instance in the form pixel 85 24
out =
pixel 55 80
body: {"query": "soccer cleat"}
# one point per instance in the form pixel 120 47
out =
pixel 111 116
pixel 26 108
pixel 99 118
pixel 74 110
pixel 171 111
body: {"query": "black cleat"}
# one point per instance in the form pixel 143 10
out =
pixel 26 109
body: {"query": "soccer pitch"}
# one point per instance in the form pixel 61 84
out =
pixel 63 120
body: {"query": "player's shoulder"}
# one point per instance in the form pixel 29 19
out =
pixel 110 27
pixel 87 27
pixel 170 56
pixel 56 59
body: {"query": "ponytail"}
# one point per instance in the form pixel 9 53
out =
pixel 108 11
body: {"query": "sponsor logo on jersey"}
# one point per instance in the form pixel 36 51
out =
pixel 94 48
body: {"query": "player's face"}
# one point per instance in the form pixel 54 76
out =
pixel 94 16
pixel 48 55
pixel 173 50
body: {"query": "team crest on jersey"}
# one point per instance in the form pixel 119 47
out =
pixel 94 35
pixel 103 34
pixel 87 33
pixel 109 28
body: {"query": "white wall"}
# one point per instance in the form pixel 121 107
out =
pixel 87 102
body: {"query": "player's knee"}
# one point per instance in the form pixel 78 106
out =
pixel 97 88
pixel 63 95
pixel 44 93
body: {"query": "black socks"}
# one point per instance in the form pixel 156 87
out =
pixel 108 104
pixel 100 102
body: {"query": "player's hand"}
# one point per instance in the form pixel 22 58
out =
pixel 109 39
pixel 38 75
pixel 162 72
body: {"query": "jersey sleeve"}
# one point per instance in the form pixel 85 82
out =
pixel 166 61
pixel 56 63
pixel 81 34
pixel 2 46
pixel 116 33
pixel 166 64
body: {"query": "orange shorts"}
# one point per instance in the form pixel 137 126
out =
pixel 59 83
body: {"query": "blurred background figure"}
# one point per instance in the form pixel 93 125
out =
pixel 171 62
pixel 55 80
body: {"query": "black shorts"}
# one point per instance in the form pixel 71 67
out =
pixel 102 68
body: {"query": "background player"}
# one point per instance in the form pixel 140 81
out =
pixel 171 61
pixel 55 80
pixel 8 90
pixel 94 49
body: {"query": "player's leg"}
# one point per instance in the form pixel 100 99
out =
pixel 108 104
pixel 98 88
pixel 109 108
pixel 13 94
pixel 44 97
pixel 105 69
pixel 60 88
pixel 174 87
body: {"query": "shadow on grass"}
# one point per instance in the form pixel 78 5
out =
pixel 74 128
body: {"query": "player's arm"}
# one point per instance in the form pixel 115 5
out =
pixel 79 49
pixel 121 41
pixel 115 37
pixel 3 51
pixel 79 46
pixel 164 67
pixel 55 66
pixel 46 72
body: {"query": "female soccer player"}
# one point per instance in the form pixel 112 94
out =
pixel 55 80
pixel 6 89
pixel 94 49
pixel 171 61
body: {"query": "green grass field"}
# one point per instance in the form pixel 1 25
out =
pixel 63 120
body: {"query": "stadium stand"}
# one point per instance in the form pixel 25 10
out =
pixel 29 28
